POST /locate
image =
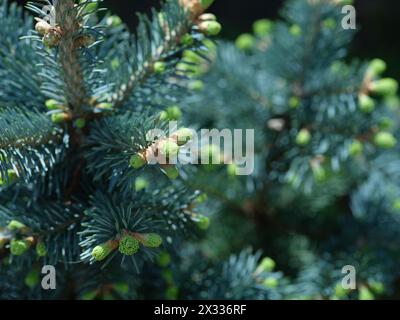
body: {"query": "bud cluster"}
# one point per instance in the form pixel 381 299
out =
pixel 128 244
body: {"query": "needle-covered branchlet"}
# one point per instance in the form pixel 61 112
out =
pixel 68 22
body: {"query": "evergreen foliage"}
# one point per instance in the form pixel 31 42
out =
pixel 77 190
pixel 78 96
pixel 324 193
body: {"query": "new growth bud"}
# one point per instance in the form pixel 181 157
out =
pixel 10 178
pixel 15 225
pixel 52 104
pixel 137 161
pixel 377 67
pixel 210 28
pixel 19 247
pixel 128 245
pixel 356 148
pixel 60 117
pixel 303 138
pixel 170 171
pixel 159 67
pixel 245 42
pixel 366 103
pixel 385 140
pixel 151 240
pixel 101 251
pixel 41 249
pixel 384 87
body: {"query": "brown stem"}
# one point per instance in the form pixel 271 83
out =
pixel 75 90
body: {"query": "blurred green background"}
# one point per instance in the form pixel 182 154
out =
pixel 378 20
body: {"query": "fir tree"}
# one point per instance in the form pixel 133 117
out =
pixel 79 95
pixel 77 191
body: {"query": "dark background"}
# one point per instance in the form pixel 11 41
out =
pixel 378 20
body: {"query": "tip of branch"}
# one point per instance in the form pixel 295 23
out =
pixel 196 7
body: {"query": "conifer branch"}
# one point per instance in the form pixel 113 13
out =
pixel 28 142
pixel 193 8
pixel 25 129
pixel 75 88
pixel 53 225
